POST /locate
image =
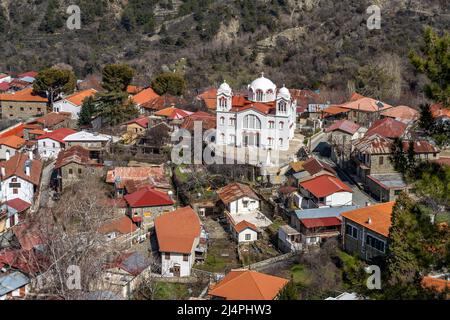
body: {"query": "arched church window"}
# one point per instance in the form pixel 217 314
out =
pixel 281 125
pixel 222 120
pixel 259 95
pixel 280 142
pixel 252 122
pixel 222 102
pixel 282 106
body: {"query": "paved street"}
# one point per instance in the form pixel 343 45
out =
pixel 45 190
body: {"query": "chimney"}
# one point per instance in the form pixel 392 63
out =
pixel 3 171
pixel 30 155
pixel 368 204
pixel 28 167
pixel 27 170
pixel 369 221
pixel 7 155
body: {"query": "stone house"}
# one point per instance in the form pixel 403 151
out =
pixel 22 105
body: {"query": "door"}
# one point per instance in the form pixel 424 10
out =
pixel 176 270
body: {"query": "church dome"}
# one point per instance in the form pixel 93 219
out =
pixel 263 84
pixel 225 88
pixel 284 93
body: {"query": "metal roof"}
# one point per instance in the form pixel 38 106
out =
pixel 12 281
pixel 323 212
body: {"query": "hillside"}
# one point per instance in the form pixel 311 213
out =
pixel 302 43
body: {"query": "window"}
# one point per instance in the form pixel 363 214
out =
pixel 70 171
pixel 15 191
pixel 167 255
pixel 248 236
pixel 281 125
pixel 232 139
pixel 271 124
pixel 259 95
pixel 222 120
pixel 21 108
pixel 270 141
pixel 397 192
pixel 39 109
pixel 54 145
pixel 252 122
pixel 375 243
pixel 245 203
pixel 280 142
pixel 185 257
pixel 282 106
pixel 222 137
pixel 43 144
pixel 222 102
pixel 79 170
pixel 14 180
pixel 232 122
pixel 351 231
pixel 381 160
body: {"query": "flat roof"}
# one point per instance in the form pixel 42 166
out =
pixel 389 180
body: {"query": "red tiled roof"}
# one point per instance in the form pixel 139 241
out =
pixel 388 128
pixel 15 166
pixel 163 101
pixel 241 226
pixel 122 225
pixel 344 125
pixel 208 121
pixel 333 110
pixel 438 110
pixel 361 103
pixel 134 89
pixel 325 185
pixel 177 230
pixel 148 197
pixel 12 141
pixel 379 214
pixel 52 118
pixel 321 222
pixel 141 121
pixel 145 96
pixel 25 95
pixel 235 191
pixel 27 236
pixel 18 204
pixel 248 285
pixel 314 166
pixel 76 154
pixel 209 97
pixel 58 134
pixel 436 284
pixel 78 97
pixel 421 146
pixel 401 113
pixel 16 130
pixel 173 113
pixel 4 86
pixel 32 74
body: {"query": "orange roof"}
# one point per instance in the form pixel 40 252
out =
pixel 401 113
pixel 379 214
pixel 15 166
pixel 123 225
pixel 358 102
pixel 244 224
pixel 438 110
pixel 144 96
pixel 248 285
pixel 23 95
pixel 12 141
pixel 177 230
pixel 325 185
pixel 235 191
pixel 209 97
pixel 16 130
pixel 435 284
pixel 134 89
pixel 78 97
pixel 332 110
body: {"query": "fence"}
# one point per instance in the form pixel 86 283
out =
pixel 261 264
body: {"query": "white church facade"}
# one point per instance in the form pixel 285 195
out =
pixel 265 118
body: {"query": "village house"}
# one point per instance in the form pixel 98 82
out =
pixel 403 114
pixel 341 134
pixel 247 285
pixel 387 128
pixel 144 97
pixel 371 156
pixel 241 207
pixel 363 110
pixel 315 225
pixel 20 178
pixel 14 285
pixel 289 239
pixel 12 213
pixel 129 179
pixel 23 104
pixel 265 118
pixel 138 125
pixel 120 229
pixel 174 117
pixel 208 99
pixel 73 165
pixel 146 203
pixel 96 143
pixel 10 145
pixel 72 103
pixel 52 121
pixel 50 144
pixel 306 169
pixel 179 236
pixel 365 231
pixel 162 102
pixel 124 274
pixel 324 191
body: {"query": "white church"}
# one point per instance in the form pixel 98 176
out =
pixel 265 118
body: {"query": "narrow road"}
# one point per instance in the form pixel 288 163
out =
pixel 45 199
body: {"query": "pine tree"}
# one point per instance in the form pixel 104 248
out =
pixel 289 292
pixel 398 157
pixel 402 264
pixel 87 111
pixel 426 120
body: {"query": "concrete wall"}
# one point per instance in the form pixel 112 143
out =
pixel 241 236
pixel 49 149
pixel 177 259
pixel 25 192
pixel 66 106
pixel 238 205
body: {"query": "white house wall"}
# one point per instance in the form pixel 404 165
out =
pixel 177 259
pixel 25 192
pixel 238 205
pixel 4 149
pixel 50 150
pixel 253 235
pixel 66 106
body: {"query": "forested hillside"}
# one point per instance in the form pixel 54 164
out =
pixel 302 43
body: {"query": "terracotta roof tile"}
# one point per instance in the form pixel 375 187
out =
pixel 343 125
pixel 148 197
pixel 401 113
pixel 25 95
pixel 78 97
pixel 314 166
pixel 18 204
pixel 388 128
pixel 58 134
pixel 248 285
pixel 241 226
pixel 75 154
pixel 51 119
pixel 15 166
pixel 321 222
pixel 380 217
pixel 361 103
pixel 177 230
pixel 122 225
pixel 12 141
pixel 325 185
pixel 144 96
pixel 141 121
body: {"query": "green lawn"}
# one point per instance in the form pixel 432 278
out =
pixel 300 275
pixel 443 217
pixel 168 290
